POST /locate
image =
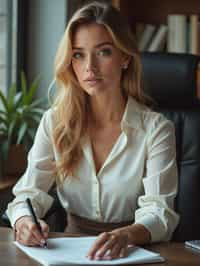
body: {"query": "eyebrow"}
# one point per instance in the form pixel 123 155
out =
pixel 97 46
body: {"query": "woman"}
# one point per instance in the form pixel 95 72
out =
pixel 113 157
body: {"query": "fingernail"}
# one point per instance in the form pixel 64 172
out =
pixel 97 258
pixel 42 241
pixel 107 257
pixel 97 253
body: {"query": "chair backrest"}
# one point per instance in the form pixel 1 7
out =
pixel 171 80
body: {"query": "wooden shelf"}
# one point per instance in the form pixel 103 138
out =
pixel 155 11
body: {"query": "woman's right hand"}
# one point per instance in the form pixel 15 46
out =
pixel 27 233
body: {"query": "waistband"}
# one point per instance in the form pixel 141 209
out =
pixel 81 225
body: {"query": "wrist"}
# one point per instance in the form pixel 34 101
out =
pixel 137 234
pixel 19 220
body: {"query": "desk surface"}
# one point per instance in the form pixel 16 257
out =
pixel 174 253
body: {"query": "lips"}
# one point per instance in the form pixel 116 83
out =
pixel 92 79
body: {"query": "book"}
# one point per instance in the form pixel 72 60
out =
pixel 139 29
pixel 177 32
pixel 73 251
pixel 198 27
pixel 193 36
pixel 193 244
pixel 158 40
pixel 146 37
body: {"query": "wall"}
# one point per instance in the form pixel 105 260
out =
pixel 46 23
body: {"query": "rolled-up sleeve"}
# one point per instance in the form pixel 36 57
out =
pixel 156 206
pixel 38 177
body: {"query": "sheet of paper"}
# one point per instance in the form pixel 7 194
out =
pixel 73 250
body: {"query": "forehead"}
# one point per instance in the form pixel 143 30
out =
pixel 90 34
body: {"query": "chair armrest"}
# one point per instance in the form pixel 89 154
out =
pixel 5 220
pixel 56 216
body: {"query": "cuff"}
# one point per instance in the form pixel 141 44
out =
pixel 154 226
pixel 17 214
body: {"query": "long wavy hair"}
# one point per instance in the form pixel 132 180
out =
pixel 71 102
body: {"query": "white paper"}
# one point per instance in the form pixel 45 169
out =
pixel 73 251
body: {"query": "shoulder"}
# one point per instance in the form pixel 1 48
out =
pixel 47 116
pixel 148 119
pixel 47 120
pixel 154 119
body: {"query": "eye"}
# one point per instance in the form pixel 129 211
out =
pixel 105 52
pixel 77 55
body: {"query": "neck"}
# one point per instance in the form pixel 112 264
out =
pixel 107 110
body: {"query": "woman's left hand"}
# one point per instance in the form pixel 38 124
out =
pixel 110 245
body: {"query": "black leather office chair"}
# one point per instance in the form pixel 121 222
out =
pixel 171 80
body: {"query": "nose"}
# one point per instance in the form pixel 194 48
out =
pixel 91 64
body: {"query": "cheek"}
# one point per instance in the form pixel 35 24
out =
pixel 78 71
pixel 113 66
pixel 113 70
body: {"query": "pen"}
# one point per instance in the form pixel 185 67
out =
pixel 34 218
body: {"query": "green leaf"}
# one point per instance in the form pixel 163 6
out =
pixel 32 90
pixel 24 87
pixel 31 132
pixel 38 102
pixel 18 99
pixel 37 111
pixel 11 95
pixel 4 101
pixel 22 132
pixel 36 119
pixel 11 130
pixel 3 120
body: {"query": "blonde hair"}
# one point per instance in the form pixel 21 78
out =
pixel 71 101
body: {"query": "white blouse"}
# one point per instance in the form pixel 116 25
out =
pixel 138 180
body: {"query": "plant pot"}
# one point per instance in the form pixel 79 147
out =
pixel 16 163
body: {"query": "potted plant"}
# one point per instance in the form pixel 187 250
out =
pixel 20 113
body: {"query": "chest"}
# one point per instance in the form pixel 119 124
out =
pixel 102 142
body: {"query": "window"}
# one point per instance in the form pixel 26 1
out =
pixel 8 43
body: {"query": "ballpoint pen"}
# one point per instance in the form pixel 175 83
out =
pixel 34 218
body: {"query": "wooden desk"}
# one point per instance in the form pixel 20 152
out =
pixel 174 253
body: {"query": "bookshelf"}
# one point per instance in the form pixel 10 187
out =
pixel 156 12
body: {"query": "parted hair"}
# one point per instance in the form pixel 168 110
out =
pixel 71 102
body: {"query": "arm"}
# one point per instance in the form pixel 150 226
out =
pixel 155 220
pixel 156 212
pixel 38 177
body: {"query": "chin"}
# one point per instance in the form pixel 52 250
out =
pixel 93 91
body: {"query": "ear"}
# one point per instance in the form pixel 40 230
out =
pixel 125 61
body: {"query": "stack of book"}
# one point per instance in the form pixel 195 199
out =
pixel 151 38
pixel 181 34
